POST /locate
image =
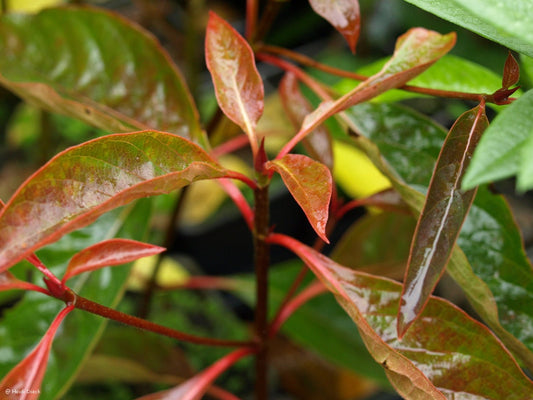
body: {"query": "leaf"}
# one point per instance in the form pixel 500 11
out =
pixel 9 282
pixel 24 381
pixel 83 182
pixel 95 66
pixel 511 72
pixel 197 386
pixel 497 276
pixel 415 51
pixel 121 355
pixel 310 184
pixel 343 15
pixel 340 343
pixel 442 217
pixel 377 244
pixel 318 143
pixel 108 253
pixel 448 73
pixel 372 303
pixel 499 154
pixel 81 331
pixel 238 85
pixel 493 19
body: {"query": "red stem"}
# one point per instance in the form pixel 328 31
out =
pixel 106 312
pixel 238 198
pixel 230 146
pixel 252 12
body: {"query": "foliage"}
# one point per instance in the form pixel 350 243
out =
pixel 96 204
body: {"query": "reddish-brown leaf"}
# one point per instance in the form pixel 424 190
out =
pixel 415 51
pixel 442 217
pixel 511 72
pixel 23 382
pixel 310 184
pixel 9 282
pixel 83 182
pixel 197 386
pixel 108 253
pixel 343 15
pixel 317 143
pixel 238 85
pixel 446 354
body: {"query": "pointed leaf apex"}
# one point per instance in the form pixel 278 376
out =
pixel 511 72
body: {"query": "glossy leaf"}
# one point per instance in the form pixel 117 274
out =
pixel 343 15
pixel 493 19
pixel 83 182
pixel 415 51
pixel 197 386
pixel 511 72
pixel 98 67
pixel 372 303
pixel 340 344
pixel 378 244
pixel 81 331
pixel 108 253
pixel 448 73
pixel 310 184
pixel 24 381
pixel 238 85
pixel 318 143
pixel 497 276
pixel 500 151
pixel 442 217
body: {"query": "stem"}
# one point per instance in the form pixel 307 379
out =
pixel 270 13
pixel 262 262
pixel 84 304
pixel 252 11
pixel 238 198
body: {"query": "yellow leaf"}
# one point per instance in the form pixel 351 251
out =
pixel 171 273
pixel 31 6
pixel 355 173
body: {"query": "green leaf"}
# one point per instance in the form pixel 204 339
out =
pixel 442 216
pixel 497 277
pixel 503 150
pixel 499 21
pixel 81 331
pixel 238 85
pixel 344 15
pixel 448 73
pixel 98 67
pixel 372 303
pixel 24 381
pixel 377 243
pixel 310 183
pixel 85 181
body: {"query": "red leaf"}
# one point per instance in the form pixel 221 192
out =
pixel 310 184
pixel 23 382
pixel 343 15
pixel 108 253
pixel 511 72
pixel 415 51
pixel 197 386
pixel 318 143
pixel 442 217
pixel 9 282
pixel 83 182
pixel 446 354
pixel 238 86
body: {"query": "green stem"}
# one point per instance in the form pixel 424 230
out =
pixel 262 262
